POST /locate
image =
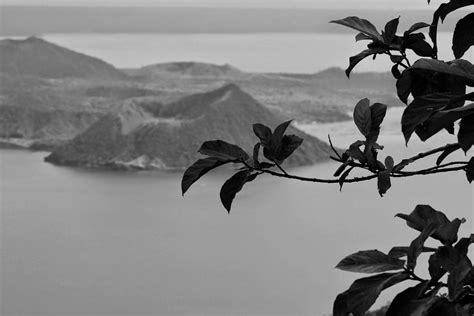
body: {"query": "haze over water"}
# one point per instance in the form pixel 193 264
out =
pixel 81 242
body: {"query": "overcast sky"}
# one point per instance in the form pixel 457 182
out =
pixel 380 4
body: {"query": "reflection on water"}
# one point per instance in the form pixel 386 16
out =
pixel 76 242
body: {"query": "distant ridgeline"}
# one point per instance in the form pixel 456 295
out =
pixel 88 113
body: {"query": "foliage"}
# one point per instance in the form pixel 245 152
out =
pixel 435 92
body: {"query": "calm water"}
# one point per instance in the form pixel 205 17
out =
pixel 77 242
pixel 261 52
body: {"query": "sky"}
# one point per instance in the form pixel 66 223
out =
pixel 380 4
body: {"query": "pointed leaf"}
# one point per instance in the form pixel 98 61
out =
pixel 399 252
pixel 360 25
pixel 370 261
pixel 364 292
pixel 416 246
pixel 362 37
pixel 198 169
pixel 362 117
pixel 470 170
pixel 390 30
pixel 223 150
pixel 383 182
pixel 264 133
pixel 446 153
pixel 354 60
pixel 343 177
pixel 417 26
pixel 412 301
pixel 463 37
pixel 377 114
pixel 466 132
pixel 232 186
pixel 289 144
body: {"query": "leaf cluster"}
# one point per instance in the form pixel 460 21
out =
pixel 449 261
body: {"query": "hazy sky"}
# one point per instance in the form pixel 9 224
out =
pixel 381 4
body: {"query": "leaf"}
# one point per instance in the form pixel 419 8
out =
pixel 446 153
pixel 449 259
pixel 363 293
pixel 360 25
pixel 443 10
pixel 395 72
pixel 383 181
pixel 443 67
pixel 412 301
pixel 470 170
pixel 377 114
pixel 389 163
pixel 354 60
pixel 417 43
pixel 362 37
pixel 343 177
pixel 404 86
pixel 232 186
pixel 370 261
pixel 399 252
pixel 256 151
pixel 278 136
pixel 362 116
pixel 441 120
pixel 463 37
pixel 289 144
pixel 423 215
pixel 466 133
pixel 416 246
pixel 198 169
pixel 390 30
pixel 340 170
pixel 264 133
pixel 463 244
pixel 417 26
pixel 420 110
pixel 223 150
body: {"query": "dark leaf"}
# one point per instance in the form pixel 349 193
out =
pixel 417 26
pixel 362 37
pixel 289 144
pixel 399 252
pixel 420 110
pixel 463 244
pixel 377 114
pixel 198 169
pixel 389 163
pixel 463 37
pixel 446 153
pixel 266 165
pixel 416 246
pixel 364 292
pixel 340 170
pixel 395 72
pixel 343 177
pixel 383 182
pixel 466 132
pixel 390 30
pixel 278 135
pixel 470 170
pixel 362 116
pixel 360 25
pixel 443 10
pixel 370 261
pixel 232 186
pixel 412 301
pixel 417 43
pixel 458 265
pixel 264 133
pixel 443 67
pixel 354 60
pixel 423 215
pixel 442 119
pixel 404 86
pixel 256 151
pixel 223 150
pixel 396 59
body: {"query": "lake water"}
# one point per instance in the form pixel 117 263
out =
pixel 76 242
pixel 260 52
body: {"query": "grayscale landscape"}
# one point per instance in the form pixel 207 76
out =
pixel 103 107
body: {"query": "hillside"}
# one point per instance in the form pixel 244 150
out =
pixel 156 136
pixel 190 69
pixel 36 57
